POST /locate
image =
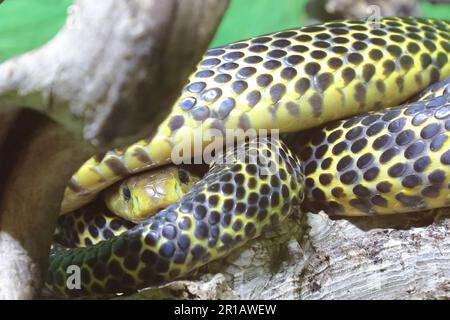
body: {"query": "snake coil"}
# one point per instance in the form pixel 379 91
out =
pixel 384 161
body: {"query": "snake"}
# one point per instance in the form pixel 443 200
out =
pixel 360 147
pixel 124 205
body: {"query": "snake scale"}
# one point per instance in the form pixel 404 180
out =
pixel 375 160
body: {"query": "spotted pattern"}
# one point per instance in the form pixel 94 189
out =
pixel 395 160
pixel 236 201
pixel 89 225
pixel 290 80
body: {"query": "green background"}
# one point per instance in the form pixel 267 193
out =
pixel 27 24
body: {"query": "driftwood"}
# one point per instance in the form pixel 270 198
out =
pixel 324 10
pixel 107 79
pixel 313 257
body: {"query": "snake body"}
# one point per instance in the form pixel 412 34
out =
pixel 291 80
pixel 389 161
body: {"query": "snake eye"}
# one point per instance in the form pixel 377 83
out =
pixel 184 177
pixel 126 193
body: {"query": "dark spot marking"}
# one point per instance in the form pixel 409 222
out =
pixel 214 52
pixel 272 64
pixel 397 170
pixel 253 98
pixel 406 62
pixel 303 38
pixel 361 191
pixel 381 142
pixel 365 160
pixel 246 72
pixel 188 103
pixel 425 60
pixel 445 158
pixel 431 192
pixel 277 91
pixel 394 50
pixel 288 73
pixel 316 102
pixel 368 72
pixel 263 80
pixel 411 181
pixel 422 163
pixel 415 149
pixel 204 74
pixel 337 192
pixel 359 45
pixel 405 137
pixel 413 47
pixel 384 187
pixel 409 201
pixel 344 163
pixel 361 204
pixel 295 59
pixel 222 78
pixel 371 173
pixel 261 40
pixel 360 93
pixel 335 63
pixel 349 177
pixel 339 148
pixel 225 107
pixel 239 86
pixel 375 54
pixel 232 56
pixel 302 85
pixel 276 54
pixel 116 166
pixel 258 48
pixel 325 179
pixel 430 130
pixel 388 67
pixel 253 59
pixel 334 136
pixel 354 133
pixel 379 201
pixel 358 145
pixel 200 113
pixel 281 43
pixel 437 143
pixel 312 68
pixel 324 80
pixel 339 49
pixel 397 125
pixel 348 74
pixel 318 54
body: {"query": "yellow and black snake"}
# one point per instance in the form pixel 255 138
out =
pixel 378 161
